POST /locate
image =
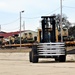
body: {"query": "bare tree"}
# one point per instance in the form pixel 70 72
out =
pixel 65 22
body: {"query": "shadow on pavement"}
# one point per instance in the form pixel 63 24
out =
pixel 71 51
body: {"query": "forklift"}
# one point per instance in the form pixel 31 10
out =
pixel 48 47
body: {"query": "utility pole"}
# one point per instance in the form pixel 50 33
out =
pixel 20 27
pixel 61 20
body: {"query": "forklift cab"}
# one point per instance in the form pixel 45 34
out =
pixel 47 33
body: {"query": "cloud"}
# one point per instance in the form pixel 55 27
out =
pixel 2 5
pixel 31 5
pixel 32 8
pixel 9 10
pixel 28 5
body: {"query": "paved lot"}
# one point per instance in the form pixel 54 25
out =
pixel 18 64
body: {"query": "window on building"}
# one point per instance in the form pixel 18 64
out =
pixel 30 35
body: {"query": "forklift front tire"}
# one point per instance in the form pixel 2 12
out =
pixel 30 56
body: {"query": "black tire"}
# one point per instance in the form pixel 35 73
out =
pixel 30 56
pixel 34 54
pixel 62 58
pixel 34 58
pixel 56 59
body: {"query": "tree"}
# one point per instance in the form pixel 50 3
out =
pixel 72 31
pixel 65 22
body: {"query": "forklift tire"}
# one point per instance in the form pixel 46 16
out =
pixel 57 59
pixel 34 58
pixel 30 56
pixel 34 54
pixel 62 58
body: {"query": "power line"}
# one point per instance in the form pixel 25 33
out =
pixel 17 28
pixel 53 11
pixel 69 7
pixel 10 22
pixel 40 16
pixel 29 17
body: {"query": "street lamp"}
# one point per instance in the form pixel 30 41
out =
pixel 61 20
pixel 20 27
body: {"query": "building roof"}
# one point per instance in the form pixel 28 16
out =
pixel 2 32
pixel 5 35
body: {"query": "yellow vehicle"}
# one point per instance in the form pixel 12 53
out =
pixel 68 40
pixel 48 46
pixel 40 31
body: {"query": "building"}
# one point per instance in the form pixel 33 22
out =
pixel 27 35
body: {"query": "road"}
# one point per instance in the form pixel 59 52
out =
pixel 18 64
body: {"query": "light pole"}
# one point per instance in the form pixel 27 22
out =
pixel 61 20
pixel 20 27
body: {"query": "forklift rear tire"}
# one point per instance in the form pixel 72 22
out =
pixel 57 59
pixel 30 56
pixel 62 58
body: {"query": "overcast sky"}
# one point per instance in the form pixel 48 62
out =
pixel 34 9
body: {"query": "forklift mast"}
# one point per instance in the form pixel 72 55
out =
pixel 48 29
